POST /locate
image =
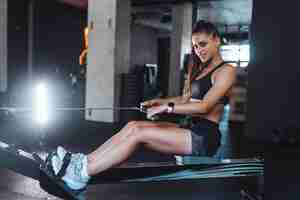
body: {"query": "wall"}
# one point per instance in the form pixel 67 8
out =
pixel 58 35
pixel 57 40
pixel 16 51
pixel 143 45
pixel 3 45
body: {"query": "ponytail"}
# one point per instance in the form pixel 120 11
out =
pixel 193 69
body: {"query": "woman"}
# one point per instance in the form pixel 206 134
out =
pixel 204 97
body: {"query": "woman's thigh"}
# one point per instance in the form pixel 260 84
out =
pixel 155 124
pixel 167 139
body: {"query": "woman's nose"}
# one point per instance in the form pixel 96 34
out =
pixel 201 50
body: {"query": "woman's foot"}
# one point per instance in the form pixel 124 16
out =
pixel 76 176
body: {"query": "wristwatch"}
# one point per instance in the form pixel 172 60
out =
pixel 170 107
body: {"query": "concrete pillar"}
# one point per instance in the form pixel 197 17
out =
pixel 3 45
pixel 30 39
pixel 182 17
pixel 108 56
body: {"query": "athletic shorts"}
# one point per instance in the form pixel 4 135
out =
pixel 205 136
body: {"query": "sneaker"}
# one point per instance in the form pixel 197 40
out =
pixel 76 176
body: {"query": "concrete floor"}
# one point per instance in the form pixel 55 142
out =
pixel 78 135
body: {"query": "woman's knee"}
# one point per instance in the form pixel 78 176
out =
pixel 138 125
pixel 130 128
pixel 131 123
pixel 139 132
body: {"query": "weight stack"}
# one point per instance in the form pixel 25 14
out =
pixel 132 90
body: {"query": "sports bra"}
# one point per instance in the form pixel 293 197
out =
pixel 201 86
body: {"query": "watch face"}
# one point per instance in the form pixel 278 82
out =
pixel 171 104
pixel 170 107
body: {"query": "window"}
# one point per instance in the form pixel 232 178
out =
pixel 236 54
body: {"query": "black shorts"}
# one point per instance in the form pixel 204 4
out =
pixel 205 136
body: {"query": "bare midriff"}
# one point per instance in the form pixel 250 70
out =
pixel 214 115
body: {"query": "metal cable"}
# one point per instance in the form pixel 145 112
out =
pixel 31 109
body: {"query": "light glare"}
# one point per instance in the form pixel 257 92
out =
pixel 41 104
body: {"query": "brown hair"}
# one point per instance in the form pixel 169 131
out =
pixel 194 63
pixel 193 69
pixel 205 27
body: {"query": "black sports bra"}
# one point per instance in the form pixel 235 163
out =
pixel 201 86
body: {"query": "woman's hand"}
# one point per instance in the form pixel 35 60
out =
pixel 152 102
pixel 154 110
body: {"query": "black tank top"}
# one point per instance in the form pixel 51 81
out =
pixel 200 87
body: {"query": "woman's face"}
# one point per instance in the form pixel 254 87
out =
pixel 205 46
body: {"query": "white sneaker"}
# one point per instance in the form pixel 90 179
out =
pixel 76 176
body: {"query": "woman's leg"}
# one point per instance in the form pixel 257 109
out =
pixel 160 137
pixel 124 133
pixel 163 137
pixel 114 139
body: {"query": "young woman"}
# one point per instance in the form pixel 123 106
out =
pixel 205 94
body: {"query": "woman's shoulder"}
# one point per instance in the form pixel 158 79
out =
pixel 226 69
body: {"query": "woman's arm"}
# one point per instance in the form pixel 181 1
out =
pixel 162 101
pixel 223 82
